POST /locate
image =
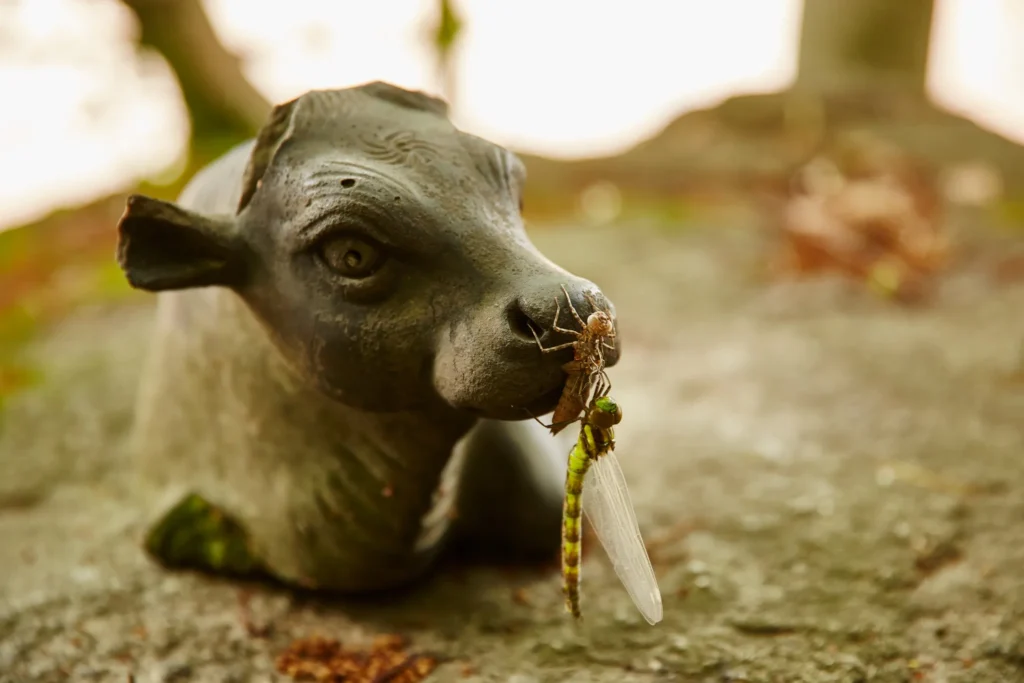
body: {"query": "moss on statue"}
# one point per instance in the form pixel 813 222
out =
pixel 196 534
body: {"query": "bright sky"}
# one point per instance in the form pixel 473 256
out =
pixel 556 77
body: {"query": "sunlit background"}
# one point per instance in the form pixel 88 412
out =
pixel 84 116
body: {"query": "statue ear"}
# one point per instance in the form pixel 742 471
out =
pixel 267 143
pixel 163 246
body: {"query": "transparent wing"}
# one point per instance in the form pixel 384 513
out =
pixel 609 510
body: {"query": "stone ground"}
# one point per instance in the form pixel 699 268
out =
pixel 830 487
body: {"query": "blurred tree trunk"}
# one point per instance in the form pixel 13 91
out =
pixel 862 69
pixel 223 106
pixel 859 60
pixel 857 44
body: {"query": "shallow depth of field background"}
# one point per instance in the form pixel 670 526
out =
pixel 88 113
pixel 808 214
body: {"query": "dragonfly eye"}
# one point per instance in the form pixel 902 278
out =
pixel 606 413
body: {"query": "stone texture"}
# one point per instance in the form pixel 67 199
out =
pixel 829 487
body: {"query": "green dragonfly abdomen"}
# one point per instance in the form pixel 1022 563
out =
pixel 595 487
pixel 592 442
pixel 572 528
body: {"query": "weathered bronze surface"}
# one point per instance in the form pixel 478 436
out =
pixel 341 302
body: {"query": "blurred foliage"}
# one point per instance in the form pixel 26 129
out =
pixel 17 378
pixel 444 35
pixel 66 260
pixel 1010 214
pixel 45 273
pixel 449 26
pixel 224 108
pixel 17 327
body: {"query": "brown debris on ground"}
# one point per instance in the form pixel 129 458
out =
pixel 325 660
pixel 869 211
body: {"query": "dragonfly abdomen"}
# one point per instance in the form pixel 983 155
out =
pixel 580 459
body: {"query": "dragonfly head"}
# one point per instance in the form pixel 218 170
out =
pixel 600 324
pixel 605 413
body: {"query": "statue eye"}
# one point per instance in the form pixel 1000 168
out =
pixel 352 257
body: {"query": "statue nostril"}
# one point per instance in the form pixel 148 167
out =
pixel 520 323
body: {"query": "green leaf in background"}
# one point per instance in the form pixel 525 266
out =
pixel 448 29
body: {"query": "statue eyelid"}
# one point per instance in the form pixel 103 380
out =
pixel 369 224
pixel 331 227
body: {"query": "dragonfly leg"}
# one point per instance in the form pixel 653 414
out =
pixel 558 348
pixel 554 325
pixel 558 310
pixel 558 313
pixel 584 389
pixel 581 389
pixel 553 424
pixel 603 385
pixel 590 300
pixel 549 349
pixel 579 320
pixel 610 337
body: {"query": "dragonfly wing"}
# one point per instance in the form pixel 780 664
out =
pixel 609 510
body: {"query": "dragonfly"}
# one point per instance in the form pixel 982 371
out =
pixel 595 479
pixel 587 366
